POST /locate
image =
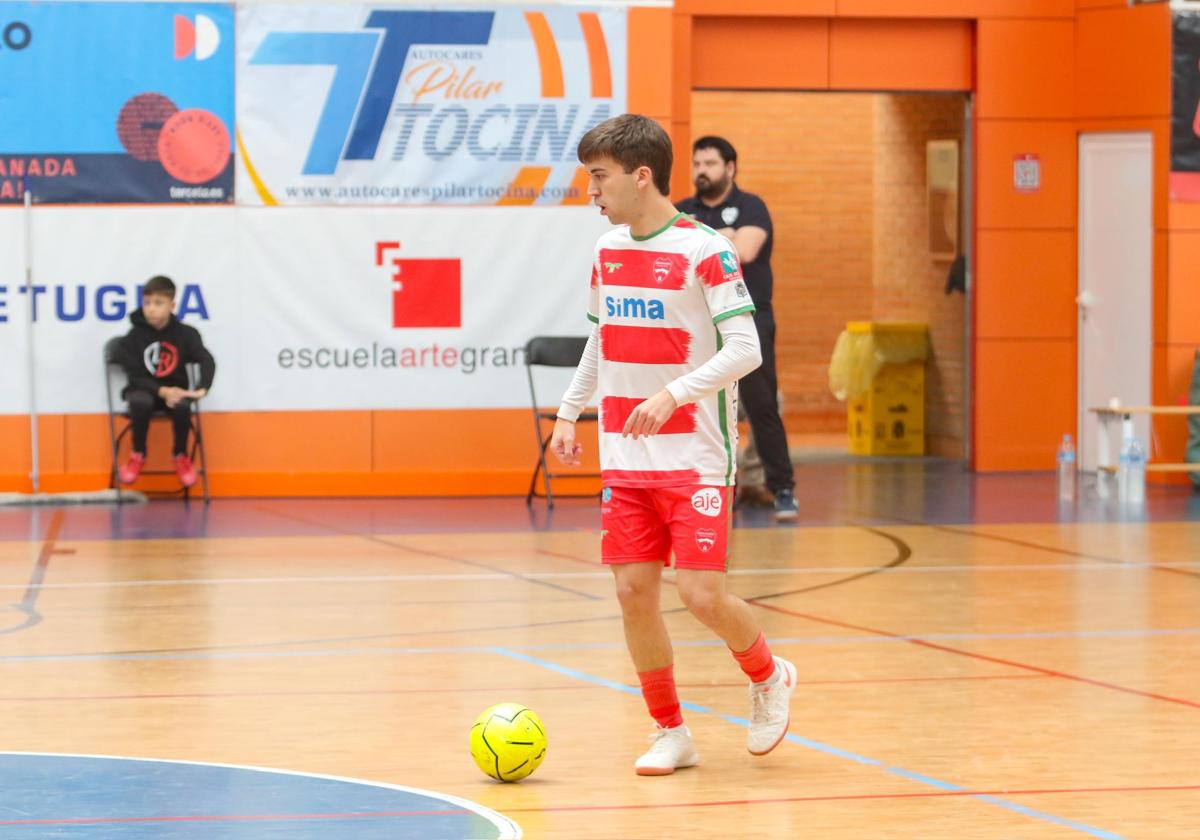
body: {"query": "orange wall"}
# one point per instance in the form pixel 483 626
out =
pixel 1042 71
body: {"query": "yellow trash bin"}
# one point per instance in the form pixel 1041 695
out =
pixel 878 368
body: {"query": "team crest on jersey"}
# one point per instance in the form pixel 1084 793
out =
pixel 706 539
pixel 740 289
pixel 707 501
pixel 729 215
pixel 662 267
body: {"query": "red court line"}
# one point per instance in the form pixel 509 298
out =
pixel 1008 793
pixel 382 692
pixel 1049 672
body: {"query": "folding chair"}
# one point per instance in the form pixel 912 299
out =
pixel 115 380
pixel 552 351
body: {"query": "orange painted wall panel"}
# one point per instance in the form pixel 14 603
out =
pixel 1183 215
pixel 1026 284
pixel 758 8
pixel 480 441
pixel 1000 204
pixel 324 441
pixel 1026 68
pixel 956 8
pixel 1183 288
pixel 14 454
pixel 1020 419
pixel 1161 285
pixel 901 55
pixel 760 53
pixel 649 63
pixel 681 67
pixel 1123 61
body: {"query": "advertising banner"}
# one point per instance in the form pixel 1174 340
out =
pixel 1185 108
pixel 367 105
pixel 303 308
pixel 116 102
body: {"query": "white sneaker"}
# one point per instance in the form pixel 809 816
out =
pixel 769 709
pixel 670 749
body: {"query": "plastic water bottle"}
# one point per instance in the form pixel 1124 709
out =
pixel 1132 488
pixel 1066 470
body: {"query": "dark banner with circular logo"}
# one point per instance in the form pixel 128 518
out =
pixel 117 102
pixel 1185 108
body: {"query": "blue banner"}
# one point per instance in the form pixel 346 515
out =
pixel 116 102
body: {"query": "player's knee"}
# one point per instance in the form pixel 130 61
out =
pixel 632 593
pixel 702 602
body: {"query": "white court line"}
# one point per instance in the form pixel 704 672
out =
pixel 1115 565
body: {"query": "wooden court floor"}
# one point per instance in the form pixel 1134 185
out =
pixel 980 678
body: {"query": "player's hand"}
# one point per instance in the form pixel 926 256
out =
pixel 649 416
pixel 562 442
pixel 197 394
pixel 172 395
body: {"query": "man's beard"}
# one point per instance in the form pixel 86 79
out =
pixel 710 189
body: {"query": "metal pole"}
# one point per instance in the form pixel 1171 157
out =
pixel 35 472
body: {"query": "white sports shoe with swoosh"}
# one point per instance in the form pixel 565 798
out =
pixel 770 709
pixel 670 750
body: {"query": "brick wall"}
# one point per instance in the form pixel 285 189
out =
pixel 908 284
pixel 843 177
pixel 810 157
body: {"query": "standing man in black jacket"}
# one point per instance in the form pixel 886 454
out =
pixel 156 354
pixel 743 219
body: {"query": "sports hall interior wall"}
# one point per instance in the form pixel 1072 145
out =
pixel 1040 71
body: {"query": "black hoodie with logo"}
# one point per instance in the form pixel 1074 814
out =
pixel 156 358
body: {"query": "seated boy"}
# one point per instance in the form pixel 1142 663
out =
pixel 156 354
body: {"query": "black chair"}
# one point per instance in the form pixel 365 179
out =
pixel 557 352
pixel 115 380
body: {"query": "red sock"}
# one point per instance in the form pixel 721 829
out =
pixel 658 688
pixel 756 660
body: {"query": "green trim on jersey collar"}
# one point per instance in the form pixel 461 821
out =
pixel 665 227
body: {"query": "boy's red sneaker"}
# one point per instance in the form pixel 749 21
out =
pixel 132 468
pixel 185 470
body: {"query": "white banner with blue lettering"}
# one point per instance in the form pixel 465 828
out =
pixel 366 105
pixel 303 308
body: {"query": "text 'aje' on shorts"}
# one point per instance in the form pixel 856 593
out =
pixel 648 523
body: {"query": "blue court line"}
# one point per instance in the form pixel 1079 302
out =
pixel 169 656
pixel 820 747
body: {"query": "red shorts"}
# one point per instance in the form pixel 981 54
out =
pixel 641 524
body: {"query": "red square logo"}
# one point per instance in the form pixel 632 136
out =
pixel 427 293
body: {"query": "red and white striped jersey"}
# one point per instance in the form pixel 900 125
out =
pixel 657 300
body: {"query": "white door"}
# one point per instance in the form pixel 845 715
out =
pixel 1116 268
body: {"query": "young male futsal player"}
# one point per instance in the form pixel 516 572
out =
pixel 673 334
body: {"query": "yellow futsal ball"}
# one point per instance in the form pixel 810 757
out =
pixel 508 741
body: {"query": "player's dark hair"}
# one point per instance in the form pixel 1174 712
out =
pixel 159 285
pixel 719 144
pixel 632 141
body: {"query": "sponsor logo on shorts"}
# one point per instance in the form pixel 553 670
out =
pixel 706 539
pixel 606 495
pixel 707 501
